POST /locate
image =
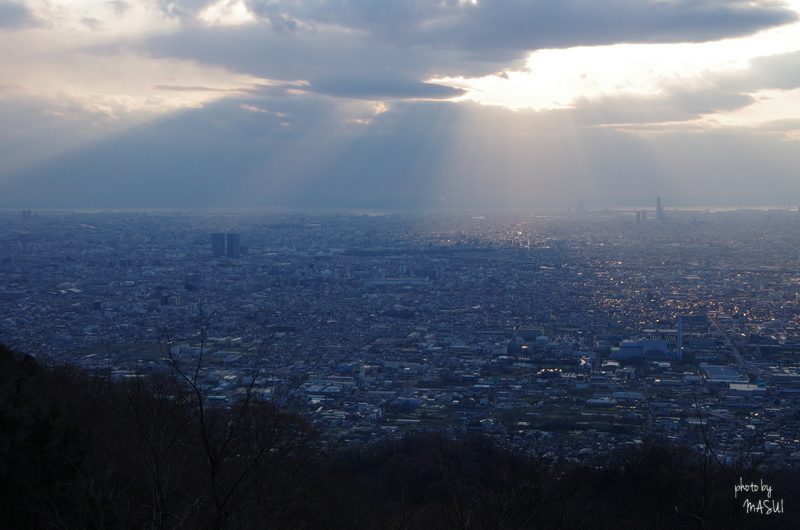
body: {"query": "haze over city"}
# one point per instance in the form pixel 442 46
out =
pixel 399 105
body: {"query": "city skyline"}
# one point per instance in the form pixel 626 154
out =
pixel 402 105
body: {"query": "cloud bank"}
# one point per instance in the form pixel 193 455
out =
pixel 364 104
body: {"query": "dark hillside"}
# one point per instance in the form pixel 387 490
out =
pixel 80 451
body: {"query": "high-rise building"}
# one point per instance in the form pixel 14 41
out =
pixel 659 209
pixel 234 249
pixel 218 244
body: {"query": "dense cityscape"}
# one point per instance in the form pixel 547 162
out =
pixel 567 332
pixel 399 265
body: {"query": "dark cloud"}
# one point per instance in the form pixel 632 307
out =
pixel 192 88
pixel 323 59
pixel 523 25
pixel 394 45
pixel 382 88
pixel 15 16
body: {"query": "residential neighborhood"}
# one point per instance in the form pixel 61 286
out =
pixel 570 333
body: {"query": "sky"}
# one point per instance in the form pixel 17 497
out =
pixel 399 104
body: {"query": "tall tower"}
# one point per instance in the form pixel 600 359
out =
pixel 234 246
pixel 218 244
pixel 659 209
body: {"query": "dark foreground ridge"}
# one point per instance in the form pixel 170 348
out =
pixel 80 451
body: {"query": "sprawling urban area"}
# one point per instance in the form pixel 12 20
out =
pixel 570 332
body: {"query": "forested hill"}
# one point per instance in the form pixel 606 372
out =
pixel 80 451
